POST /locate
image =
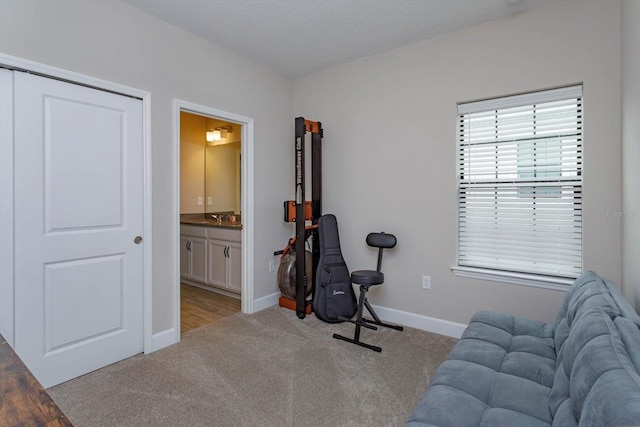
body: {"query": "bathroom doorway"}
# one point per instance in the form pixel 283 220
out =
pixel 210 219
pixel 214 218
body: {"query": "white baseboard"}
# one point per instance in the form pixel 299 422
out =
pixel 266 302
pixel 418 321
pixel 163 339
pixel 169 337
pixel 431 324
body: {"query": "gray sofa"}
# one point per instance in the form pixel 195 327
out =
pixel 582 370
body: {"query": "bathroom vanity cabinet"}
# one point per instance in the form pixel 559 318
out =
pixel 225 252
pixel 211 256
pixel 193 253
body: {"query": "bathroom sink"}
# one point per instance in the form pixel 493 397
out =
pixel 199 220
pixel 224 220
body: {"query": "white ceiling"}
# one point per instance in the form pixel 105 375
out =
pixel 298 37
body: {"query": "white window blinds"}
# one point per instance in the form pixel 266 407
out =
pixel 520 183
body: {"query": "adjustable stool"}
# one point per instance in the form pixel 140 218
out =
pixel 367 278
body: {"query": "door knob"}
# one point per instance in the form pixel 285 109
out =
pixel 137 240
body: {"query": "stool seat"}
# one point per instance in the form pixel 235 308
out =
pixel 367 277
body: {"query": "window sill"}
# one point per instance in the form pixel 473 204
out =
pixel 523 279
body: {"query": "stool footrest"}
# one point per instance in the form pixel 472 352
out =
pixel 358 342
pixel 386 325
pixel 364 323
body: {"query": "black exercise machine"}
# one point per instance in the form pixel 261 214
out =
pixel 300 210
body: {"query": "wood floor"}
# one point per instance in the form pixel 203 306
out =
pixel 23 400
pixel 199 307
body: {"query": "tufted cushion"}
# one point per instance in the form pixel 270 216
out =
pixel 630 338
pixel 587 292
pixel 505 370
pixel 597 382
pixel 623 305
pixel 500 372
pixel 508 344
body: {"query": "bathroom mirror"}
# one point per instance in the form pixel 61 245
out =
pixel 223 171
pixel 210 170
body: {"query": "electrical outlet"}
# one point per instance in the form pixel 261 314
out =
pixel 272 266
pixel 426 282
pixel 199 201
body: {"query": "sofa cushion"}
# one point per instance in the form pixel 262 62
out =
pixel 499 373
pixel 588 292
pixel 629 335
pixel 466 394
pixel 626 310
pixel 597 382
pixel 614 398
pixel 509 344
pixel 581 370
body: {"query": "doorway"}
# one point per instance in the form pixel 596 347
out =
pixel 214 258
pixel 210 219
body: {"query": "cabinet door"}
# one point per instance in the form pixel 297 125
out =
pixel 184 257
pixel 234 267
pixel 198 259
pixel 217 263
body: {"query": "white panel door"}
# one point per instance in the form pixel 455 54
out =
pixel 78 208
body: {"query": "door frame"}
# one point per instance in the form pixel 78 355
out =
pixel 7 315
pixel 247 199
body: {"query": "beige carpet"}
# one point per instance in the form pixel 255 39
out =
pixel 265 369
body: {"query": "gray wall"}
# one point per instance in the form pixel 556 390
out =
pixel 631 149
pixel 390 147
pixel 116 42
pixel 389 123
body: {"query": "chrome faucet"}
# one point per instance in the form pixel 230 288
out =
pixel 217 218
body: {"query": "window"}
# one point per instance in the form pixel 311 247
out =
pixel 520 186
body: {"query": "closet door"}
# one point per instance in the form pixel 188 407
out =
pixel 6 205
pixel 78 184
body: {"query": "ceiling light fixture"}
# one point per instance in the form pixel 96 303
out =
pixel 218 133
pixel 213 135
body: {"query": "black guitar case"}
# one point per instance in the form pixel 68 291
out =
pixel 334 300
